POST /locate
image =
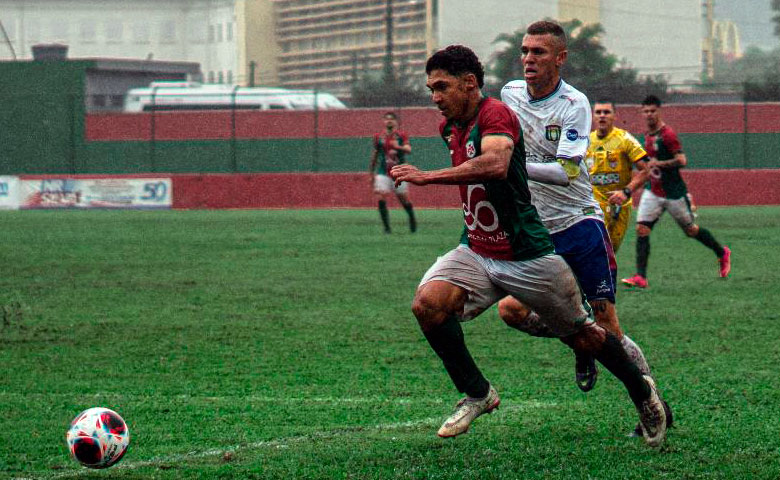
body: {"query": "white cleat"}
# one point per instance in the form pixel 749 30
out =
pixel 466 411
pixel 652 416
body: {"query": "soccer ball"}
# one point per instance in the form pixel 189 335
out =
pixel 98 437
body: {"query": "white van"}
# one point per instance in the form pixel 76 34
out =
pixel 195 96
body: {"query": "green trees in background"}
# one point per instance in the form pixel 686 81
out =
pixel 590 67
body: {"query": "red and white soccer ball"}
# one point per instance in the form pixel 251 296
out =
pixel 98 437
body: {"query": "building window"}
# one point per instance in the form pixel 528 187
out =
pixel 229 31
pixel 211 76
pixel 168 31
pixel 220 78
pixel 219 32
pixel 230 77
pixel 98 101
pixel 114 31
pixel 141 33
pixel 87 31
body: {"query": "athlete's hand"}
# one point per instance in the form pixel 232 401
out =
pixel 617 197
pixel 653 163
pixel 408 173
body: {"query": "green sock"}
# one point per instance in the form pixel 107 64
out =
pixel 705 237
pixel 385 216
pixel 447 341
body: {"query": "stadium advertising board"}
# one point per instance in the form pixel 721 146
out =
pixel 9 192
pixel 53 192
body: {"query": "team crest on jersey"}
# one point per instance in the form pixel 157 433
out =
pixel 471 151
pixel 552 132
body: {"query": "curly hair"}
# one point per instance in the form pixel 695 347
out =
pixel 457 60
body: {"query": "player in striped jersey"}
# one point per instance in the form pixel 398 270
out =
pixel 666 191
pixel 390 148
pixel 504 248
pixel 556 120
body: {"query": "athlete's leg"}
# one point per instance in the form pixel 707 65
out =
pixel 651 207
pixel 456 288
pixel 682 213
pixel 617 227
pixel 383 187
pixel 403 197
pixel 547 286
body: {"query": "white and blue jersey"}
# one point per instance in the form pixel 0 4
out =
pixel 556 126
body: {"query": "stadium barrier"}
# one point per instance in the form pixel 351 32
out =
pixel 314 190
pixel 58 138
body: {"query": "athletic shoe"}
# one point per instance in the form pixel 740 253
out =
pixel 652 416
pixel 725 262
pixel 637 432
pixel 466 411
pixel 637 281
pixel 585 372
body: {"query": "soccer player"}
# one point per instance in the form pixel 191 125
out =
pixel 666 191
pixel 611 156
pixel 504 248
pixel 390 148
pixel 556 119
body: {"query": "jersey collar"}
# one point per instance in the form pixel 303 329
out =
pixel 546 97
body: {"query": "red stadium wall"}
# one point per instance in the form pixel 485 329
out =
pixel 352 190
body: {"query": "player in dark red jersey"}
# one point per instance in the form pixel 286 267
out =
pixel 504 248
pixel 390 148
pixel 666 191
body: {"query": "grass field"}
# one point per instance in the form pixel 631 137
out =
pixel 280 344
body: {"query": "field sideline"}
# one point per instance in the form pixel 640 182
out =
pixel 280 344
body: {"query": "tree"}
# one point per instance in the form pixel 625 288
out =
pixel 756 73
pixel 388 89
pixel 589 67
pixel 776 18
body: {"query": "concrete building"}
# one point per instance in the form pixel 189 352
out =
pixel 326 44
pixel 201 31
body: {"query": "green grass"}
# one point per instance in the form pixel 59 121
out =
pixel 280 344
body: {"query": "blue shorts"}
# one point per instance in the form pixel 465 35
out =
pixel 586 248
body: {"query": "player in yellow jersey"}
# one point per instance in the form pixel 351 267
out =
pixel 612 156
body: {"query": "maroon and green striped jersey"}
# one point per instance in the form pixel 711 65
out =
pixel 500 221
pixel 387 155
pixel 663 144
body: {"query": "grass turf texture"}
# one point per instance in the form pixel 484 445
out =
pixel 280 344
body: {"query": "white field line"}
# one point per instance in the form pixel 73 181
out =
pixel 285 442
pixel 244 398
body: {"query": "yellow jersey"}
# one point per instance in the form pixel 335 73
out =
pixel 610 161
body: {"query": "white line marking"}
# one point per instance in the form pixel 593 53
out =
pixel 285 442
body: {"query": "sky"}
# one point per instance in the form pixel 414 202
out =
pixel 753 18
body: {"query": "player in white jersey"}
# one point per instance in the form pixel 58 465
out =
pixel 556 122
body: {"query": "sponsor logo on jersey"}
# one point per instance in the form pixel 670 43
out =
pixel 552 132
pixel 572 134
pixel 471 151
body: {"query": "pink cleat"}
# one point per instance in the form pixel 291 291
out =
pixel 637 281
pixel 725 262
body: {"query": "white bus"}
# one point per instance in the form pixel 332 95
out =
pixel 195 96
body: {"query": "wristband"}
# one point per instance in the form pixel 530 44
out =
pixel 627 192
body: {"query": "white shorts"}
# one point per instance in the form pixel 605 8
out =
pixel 385 184
pixel 651 207
pixel 545 284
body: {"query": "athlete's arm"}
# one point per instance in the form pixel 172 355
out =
pixel 492 164
pixel 406 147
pixel 639 177
pixel 679 161
pixel 551 173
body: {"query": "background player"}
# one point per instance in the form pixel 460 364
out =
pixel 666 191
pixel 504 248
pixel 390 148
pixel 612 154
